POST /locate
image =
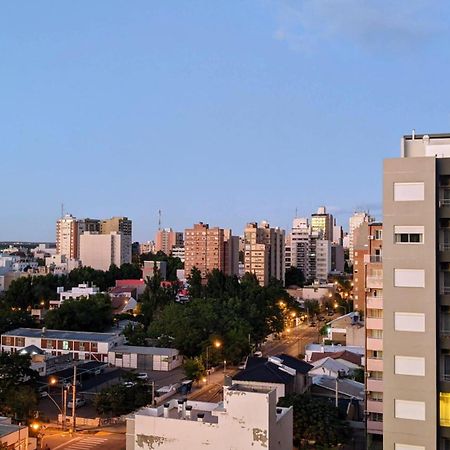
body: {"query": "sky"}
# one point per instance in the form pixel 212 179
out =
pixel 221 112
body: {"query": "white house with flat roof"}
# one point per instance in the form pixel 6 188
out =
pixel 248 418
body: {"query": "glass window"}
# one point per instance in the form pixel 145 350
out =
pixel 65 345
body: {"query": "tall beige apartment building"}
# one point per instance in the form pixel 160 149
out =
pixel 122 226
pixel 67 236
pixel 416 295
pixel 210 248
pixel 322 223
pixel 264 252
pixel 166 239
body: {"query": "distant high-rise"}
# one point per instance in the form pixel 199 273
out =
pixel 122 226
pixel 208 249
pixel 322 223
pixel 354 222
pixel 166 239
pixel 264 252
pixel 67 236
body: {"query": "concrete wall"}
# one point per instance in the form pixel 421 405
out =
pixel 420 300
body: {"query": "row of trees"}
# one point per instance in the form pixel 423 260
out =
pixel 236 313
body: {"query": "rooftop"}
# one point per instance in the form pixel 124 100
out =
pixel 146 350
pixel 8 429
pixel 345 355
pixel 349 388
pixel 61 334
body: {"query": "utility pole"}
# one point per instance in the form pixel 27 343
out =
pixel 74 397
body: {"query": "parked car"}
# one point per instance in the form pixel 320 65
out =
pixel 78 403
pixel 142 376
pixel 258 354
pixel 43 394
pixel 128 384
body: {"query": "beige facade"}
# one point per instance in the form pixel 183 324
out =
pixel 416 288
pixel 247 419
pixel 264 252
pixel 166 239
pixel 210 248
pixel 67 236
pixel 322 223
pixel 99 251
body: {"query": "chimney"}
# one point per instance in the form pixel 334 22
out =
pixel 188 411
pixel 200 417
pixel 166 410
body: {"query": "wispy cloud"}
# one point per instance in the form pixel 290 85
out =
pixel 389 25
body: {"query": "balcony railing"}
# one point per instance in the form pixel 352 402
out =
pixel 444 247
pixel 445 377
pixel 444 202
pixel 376 258
pixel 445 290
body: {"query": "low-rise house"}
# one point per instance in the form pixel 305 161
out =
pixel 346 358
pixel 320 348
pixel 80 344
pixel 15 437
pixel 337 329
pixel 329 367
pixel 248 418
pixel 283 373
pixel 139 285
pixel 145 358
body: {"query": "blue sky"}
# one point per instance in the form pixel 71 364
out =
pixel 225 112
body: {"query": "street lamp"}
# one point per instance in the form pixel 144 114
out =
pixel 216 344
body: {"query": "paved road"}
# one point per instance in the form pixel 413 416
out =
pixel 98 441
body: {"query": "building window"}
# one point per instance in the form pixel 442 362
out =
pixel 408 238
pixel 409 409
pixel 65 345
pixel 408 447
pixel 404 321
pixel 410 365
pixel 414 278
pixel 20 342
pixel 118 355
pixel 409 192
pixel 444 407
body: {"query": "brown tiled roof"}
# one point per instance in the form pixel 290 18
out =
pixel 345 355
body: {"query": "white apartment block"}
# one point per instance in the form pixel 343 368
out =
pixel 354 222
pixel 248 418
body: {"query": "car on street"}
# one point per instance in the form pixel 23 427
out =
pixel 128 384
pixel 142 376
pixel 78 403
pixel 258 354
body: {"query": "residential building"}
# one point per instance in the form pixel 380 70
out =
pixel 300 244
pixel 371 271
pixel 264 252
pixel 337 258
pixel 283 373
pixel 360 250
pixel 166 239
pixel 354 222
pixel 207 249
pixel 416 300
pixel 99 251
pixel 247 418
pixel 122 226
pixel 179 252
pixel 67 236
pixel 323 223
pixel 147 247
pixel 339 329
pixel 80 344
pixel 82 290
pixel 86 225
pixel 323 259
pixel 150 266
pixel 145 358
pixel 15 437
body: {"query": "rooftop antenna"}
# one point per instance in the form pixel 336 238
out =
pixel 159 220
pixel 296 215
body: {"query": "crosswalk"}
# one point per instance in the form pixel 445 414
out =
pixel 86 443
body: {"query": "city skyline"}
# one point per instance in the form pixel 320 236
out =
pixel 119 110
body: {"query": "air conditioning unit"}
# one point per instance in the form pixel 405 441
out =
pixel 371 238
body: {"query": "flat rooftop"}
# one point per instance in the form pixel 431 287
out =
pixel 61 334
pixel 145 350
pixel 6 429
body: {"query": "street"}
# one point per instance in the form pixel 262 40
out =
pixel 102 440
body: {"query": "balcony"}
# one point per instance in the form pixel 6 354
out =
pixel 374 303
pixel 444 252
pixel 374 282
pixel 374 364
pixel 445 339
pixel 444 207
pixel 374 406
pixel 374 324
pixel 374 385
pixel 376 344
pixel 374 427
pixel 373 259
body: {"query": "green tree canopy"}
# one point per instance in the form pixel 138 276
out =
pixel 83 314
pixel 294 277
pixel 316 422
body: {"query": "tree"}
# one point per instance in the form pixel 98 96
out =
pixel 83 314
pixel 173 264
pixel 9 320
pixel 18 396
pixel 194 368
pixel 294 277
pixel 316 421
pixel 195 283
pixel 135 334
